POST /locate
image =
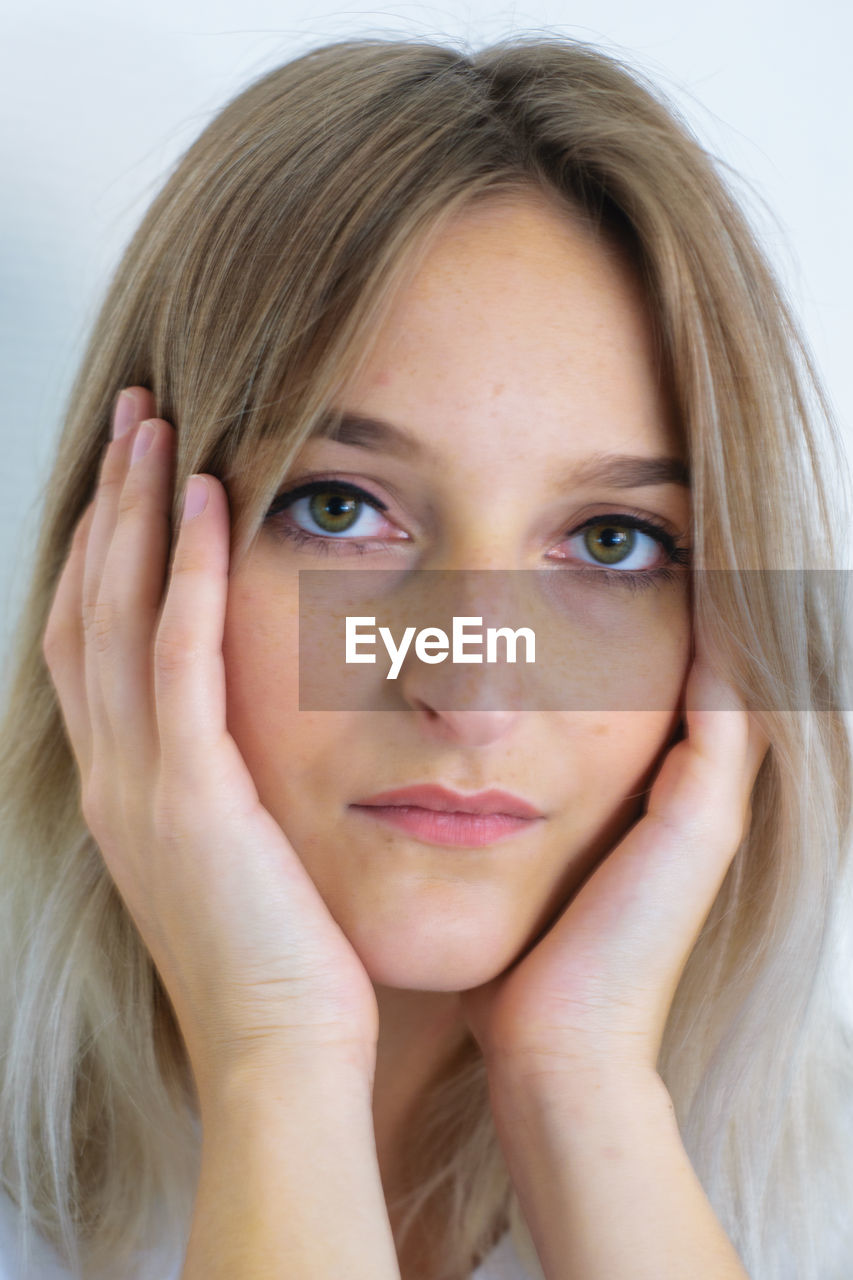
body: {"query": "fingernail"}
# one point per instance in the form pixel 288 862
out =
pixel 124 414
pixel 142 443
pixel 195 498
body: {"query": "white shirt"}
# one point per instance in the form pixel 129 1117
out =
pixel 501 1264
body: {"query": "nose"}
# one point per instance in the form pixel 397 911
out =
pixel 466 704
pixel 466 728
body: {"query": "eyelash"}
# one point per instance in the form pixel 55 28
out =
pixel 633 580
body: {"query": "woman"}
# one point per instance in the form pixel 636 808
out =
pixel 400 308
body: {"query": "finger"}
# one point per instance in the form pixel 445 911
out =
pixel 721 732
pixel 131 591
pixel 655 890
pixel 189 670
pixel 62 645
pixel 698 811
pixel 659 885
pixel 98 619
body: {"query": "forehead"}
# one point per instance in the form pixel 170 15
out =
pixel 522 324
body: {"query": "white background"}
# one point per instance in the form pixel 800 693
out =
pixel 100 98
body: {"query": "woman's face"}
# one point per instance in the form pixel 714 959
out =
pixel 519 349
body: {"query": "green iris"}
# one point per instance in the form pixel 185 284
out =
pixel 333 511
pixel 609 543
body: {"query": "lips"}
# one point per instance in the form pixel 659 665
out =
pixel 443 800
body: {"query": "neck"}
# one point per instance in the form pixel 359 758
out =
pixel 419 1031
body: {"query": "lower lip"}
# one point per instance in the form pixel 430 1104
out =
pixel 468 830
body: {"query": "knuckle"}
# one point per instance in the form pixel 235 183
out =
pixel 110 483
pixel 190 561
pixel 174 820
pixel 174 651
pixel 100 623
pixel 133 500
pixel 168 823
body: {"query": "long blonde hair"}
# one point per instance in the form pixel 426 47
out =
pixel 245 301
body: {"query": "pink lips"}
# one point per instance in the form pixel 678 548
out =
pixel 440 816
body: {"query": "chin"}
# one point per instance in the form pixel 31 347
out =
pixel 432 955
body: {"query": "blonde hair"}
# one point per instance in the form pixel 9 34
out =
pixel 246 300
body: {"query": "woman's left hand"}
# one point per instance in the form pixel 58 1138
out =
pixel 596 990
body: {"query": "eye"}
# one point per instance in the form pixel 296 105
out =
pixel 329 515
pixel 622 541
pixel 321 512
pixel 333 511
pixel 619 544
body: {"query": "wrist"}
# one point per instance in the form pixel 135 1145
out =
pixel 605 1183
pixel 575 1089
pixel 289 1171
pixel 253 1084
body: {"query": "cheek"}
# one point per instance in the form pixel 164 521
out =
pixel 616 652
pixel 616 750
pixel 612 760
pixel 621 752
pixel 296 758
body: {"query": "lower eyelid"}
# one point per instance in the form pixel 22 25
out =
pixel 327 543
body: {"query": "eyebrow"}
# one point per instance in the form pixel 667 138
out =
pixel 615 470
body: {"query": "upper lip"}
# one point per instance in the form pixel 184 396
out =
pixel 432 796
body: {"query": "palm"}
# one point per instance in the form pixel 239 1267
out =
pixel 600 983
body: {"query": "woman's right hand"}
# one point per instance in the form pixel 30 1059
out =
pixel 257 969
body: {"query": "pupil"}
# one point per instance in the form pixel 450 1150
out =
pixel 608 543
pixel 333 511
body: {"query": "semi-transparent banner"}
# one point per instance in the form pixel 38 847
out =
pixel 568 638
